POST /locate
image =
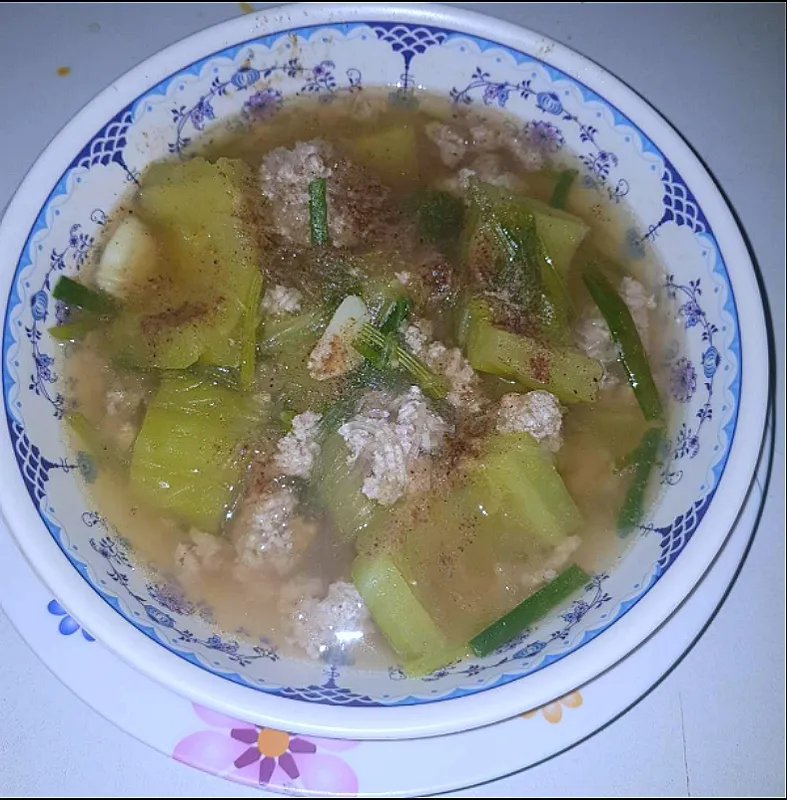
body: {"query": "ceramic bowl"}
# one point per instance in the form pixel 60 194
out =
pixel 253 65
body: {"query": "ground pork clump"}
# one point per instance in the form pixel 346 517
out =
pixel 357 204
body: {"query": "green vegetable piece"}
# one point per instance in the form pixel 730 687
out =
pixel 223 376
pixel 205 281
pixel 192 450
pixel 286 417
pixel 529 611
pixel 563 186
pixel 626 336
pixel 339 412
pixel 564 371
pixel 318 211
pixel 430 662
pixel 643 460
pixel 519 481
pixel 395 315
pixel 562 233
pixel 505 252
pixel 357 383
pixel 381 294
pixel 339 491
pixel 472 312
pixel 405 623
pixel 385 352
pixel 79 326
pixel 76 294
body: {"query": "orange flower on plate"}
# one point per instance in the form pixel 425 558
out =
pixel 553 712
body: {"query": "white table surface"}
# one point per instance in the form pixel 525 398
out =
pixel 716 726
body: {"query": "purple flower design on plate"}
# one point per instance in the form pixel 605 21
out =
pixel 497 93
pixel 578 610
pixel 258 756
pixel 264 104
pixel 68 625
pixel 691 313
pixel 544 135
pixel 271 748
pixel 44 363
pixel 201 113
pixel 687 442
pixel 322 69
pixel 532 649
pixel 683 380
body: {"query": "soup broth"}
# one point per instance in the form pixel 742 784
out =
pixel 358 377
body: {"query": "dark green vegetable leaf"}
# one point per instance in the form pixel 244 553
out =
pixel 318 211
pixel 439 216
pixel 76 294
pixel 395 315
pixel 505 251
pixel 529 610
pixel 626 336
pixel 385 352
pixel 563 186
pixel 76 329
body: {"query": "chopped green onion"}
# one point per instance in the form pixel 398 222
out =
pixel 318 211
pixel 528 611
pixel 73 293
pixel 643 459
pixel 396 313
pixel 563 186
pixel 625 334
pixel 384 351
pixel 76 329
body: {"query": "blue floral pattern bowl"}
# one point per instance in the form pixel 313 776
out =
pixel 252 67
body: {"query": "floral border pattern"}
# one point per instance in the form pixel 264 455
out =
pixel 319 80
pixel 598 161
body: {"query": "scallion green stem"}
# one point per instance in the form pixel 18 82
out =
pixel 384 350
pixel 318 211
pixel 529 610
pixel 73 293
pixel 563 186
pixel 625 334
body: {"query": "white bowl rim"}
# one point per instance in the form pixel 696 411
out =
pixel 462 713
